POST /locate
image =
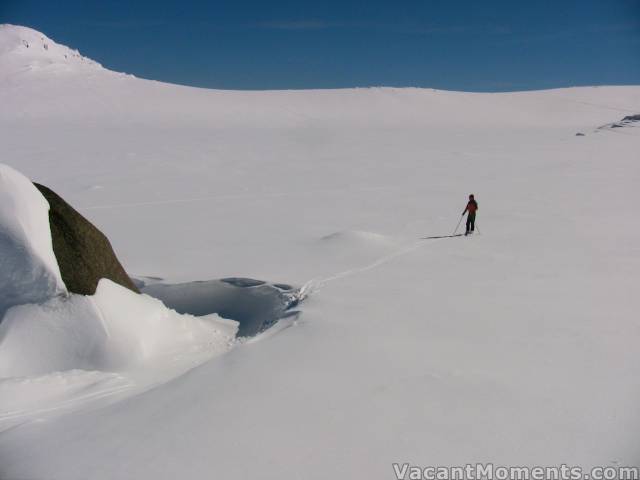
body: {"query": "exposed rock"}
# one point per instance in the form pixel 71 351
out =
pixel 628 121
pixel 83 252
pixel 631 118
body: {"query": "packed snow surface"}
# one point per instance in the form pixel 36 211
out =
pixel 515 346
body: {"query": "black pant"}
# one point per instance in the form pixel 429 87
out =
pixel 471 221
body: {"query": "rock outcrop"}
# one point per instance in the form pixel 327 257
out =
pixel 83 252
pixel 628 121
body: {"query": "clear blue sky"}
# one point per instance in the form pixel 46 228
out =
pixel 471 45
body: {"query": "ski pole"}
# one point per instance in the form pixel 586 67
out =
pixel 459 222
pixel 476 227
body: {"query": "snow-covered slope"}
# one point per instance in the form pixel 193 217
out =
pixel 515 346
pixel 23 48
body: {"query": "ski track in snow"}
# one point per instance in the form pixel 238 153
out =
pixel 313 286
pixel 64 404
pixel 8 418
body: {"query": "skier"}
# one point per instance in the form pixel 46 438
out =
pixel 471 209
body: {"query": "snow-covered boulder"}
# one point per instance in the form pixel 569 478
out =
pixel 83 252
pixel 29 272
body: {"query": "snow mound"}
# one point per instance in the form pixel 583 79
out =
pixel 113 330
pixel 29 271
pixel 30 48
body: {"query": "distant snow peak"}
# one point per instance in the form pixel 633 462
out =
pixel 23 46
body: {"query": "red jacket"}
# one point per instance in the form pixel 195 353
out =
pixel 472 206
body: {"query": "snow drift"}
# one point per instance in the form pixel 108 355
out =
pixel 113 330
pixel 28 268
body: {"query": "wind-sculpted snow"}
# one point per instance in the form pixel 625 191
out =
pixel 28 268
pixel 44 331
pixel 113 330
pixel 254 304
pixel 113 342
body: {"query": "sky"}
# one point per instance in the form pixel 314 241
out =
pixel 470 45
